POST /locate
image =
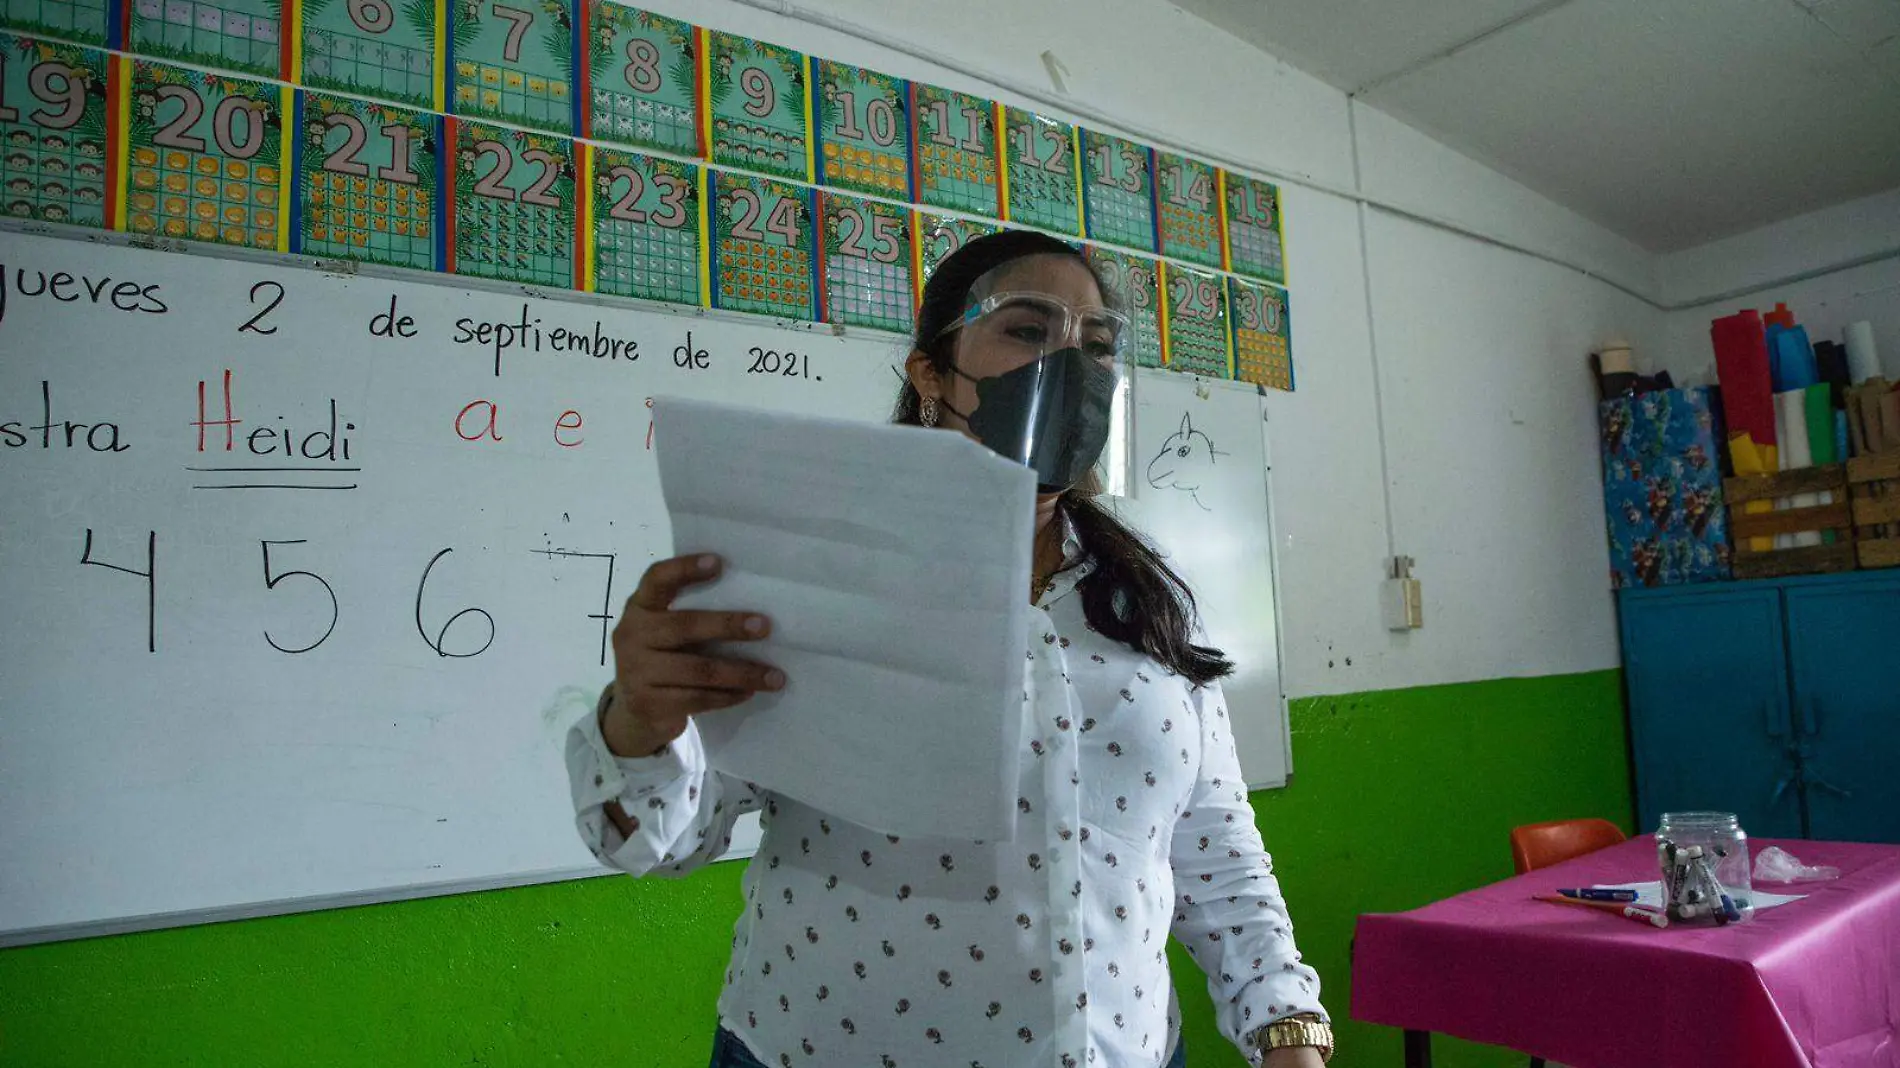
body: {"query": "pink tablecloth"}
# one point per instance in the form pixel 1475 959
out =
pixel 1812 983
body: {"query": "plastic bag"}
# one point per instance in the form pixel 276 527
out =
pixel 1777 865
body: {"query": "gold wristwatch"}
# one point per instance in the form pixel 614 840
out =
pixel 1302 1030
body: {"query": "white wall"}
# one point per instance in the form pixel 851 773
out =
pixel 1488 413
pixel 1825 305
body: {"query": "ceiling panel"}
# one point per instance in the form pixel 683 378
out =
pixel 1350 43
pixel 1672 123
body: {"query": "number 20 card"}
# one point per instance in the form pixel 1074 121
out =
pixel 206 157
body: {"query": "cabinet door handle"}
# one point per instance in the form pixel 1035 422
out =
pixel 1781 789
pixel 1819 783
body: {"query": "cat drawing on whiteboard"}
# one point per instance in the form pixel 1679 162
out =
pixel 1185 462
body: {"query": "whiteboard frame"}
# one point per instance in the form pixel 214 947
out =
pixel 350 269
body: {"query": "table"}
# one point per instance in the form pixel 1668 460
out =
pixel 1811 984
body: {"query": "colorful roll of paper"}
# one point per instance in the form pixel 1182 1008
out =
pixel 1863 362
pixel 1791 416
pixel 1748 407
pixel 1819 412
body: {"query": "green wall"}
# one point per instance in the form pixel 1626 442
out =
pixel 1401 797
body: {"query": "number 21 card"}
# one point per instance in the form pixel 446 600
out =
pixel 366 182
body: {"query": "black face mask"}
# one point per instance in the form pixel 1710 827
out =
pixel 1051 415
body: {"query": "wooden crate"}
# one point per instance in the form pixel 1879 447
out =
pixel 1807 559
pixel 1876 488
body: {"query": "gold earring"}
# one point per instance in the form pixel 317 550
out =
pixel 928 415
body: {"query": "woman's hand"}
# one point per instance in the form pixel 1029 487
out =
pixel 660 681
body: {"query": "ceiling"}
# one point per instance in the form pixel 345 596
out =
pixel 1671 122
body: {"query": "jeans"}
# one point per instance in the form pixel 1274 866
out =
pixel 729 1052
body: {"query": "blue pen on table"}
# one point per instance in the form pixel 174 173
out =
pixel 1598 893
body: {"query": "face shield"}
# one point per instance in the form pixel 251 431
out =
pixel 1051 380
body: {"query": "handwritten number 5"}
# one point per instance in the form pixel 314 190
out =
pixel 270 583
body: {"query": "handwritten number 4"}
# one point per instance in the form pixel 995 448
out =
pixel 151 589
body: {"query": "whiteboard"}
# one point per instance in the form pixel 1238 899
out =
pixel 1200 479
pixel 220 697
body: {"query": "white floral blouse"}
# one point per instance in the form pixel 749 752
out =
pixel 860 949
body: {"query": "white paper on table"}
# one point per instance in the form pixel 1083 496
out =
pixel 1650 895
pixel 894 564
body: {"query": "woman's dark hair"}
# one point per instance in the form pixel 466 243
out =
pixel 1132 596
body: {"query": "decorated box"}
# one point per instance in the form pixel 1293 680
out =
pixel 1662 489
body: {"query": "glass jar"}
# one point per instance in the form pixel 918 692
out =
pixel 1724 844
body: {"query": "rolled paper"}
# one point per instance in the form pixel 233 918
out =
pixel 1741 361
pixel 1863 362
pixel 1791 423
pixel 1819 416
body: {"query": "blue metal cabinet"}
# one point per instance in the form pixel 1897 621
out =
pixel 1843 641
pixel 1708 697
pixel 1778 700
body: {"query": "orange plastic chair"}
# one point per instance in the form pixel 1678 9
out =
pixel 1539 845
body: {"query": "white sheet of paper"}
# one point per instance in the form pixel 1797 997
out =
pixel 1649 895
pixel 894 564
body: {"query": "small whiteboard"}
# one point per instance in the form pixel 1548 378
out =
pixel 222 697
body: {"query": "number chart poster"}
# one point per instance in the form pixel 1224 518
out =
pixel 373 48
pixel 1190 223
pixel 513 206
pixel 938 237
pixel 1131 281
pixel 763 252
pixel 867 263
pixel 1118 190
pixel 80 21
pixel 56 160
pixel 367 180
pixel 1041 185
pixel 1255 245
pixel 206 155
pixel 1194 322
pixel 758 103
pixel 863 130
pixel 649 226
pixel 954 146
pixel 353 159
pixel 513 62
pixel 245 36
pixel 1263 332
pixel 643 79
